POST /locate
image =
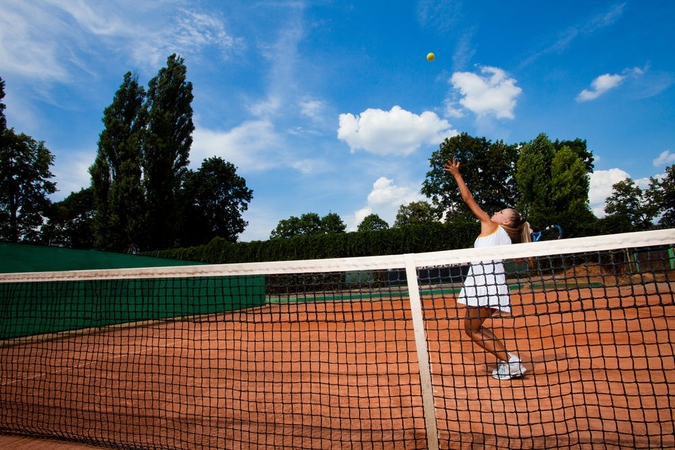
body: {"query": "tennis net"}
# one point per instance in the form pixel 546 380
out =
pixel 348 353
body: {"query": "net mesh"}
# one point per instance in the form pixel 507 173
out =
pixel 349 353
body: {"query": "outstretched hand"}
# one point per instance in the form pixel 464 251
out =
pixel 452 167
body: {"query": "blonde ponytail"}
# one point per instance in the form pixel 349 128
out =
pixel 521 231
pixel 526 232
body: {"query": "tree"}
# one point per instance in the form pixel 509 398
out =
pixel 167 149
pixel 488 169
pixel 71 221
pixel 533 178
pixel 332 223
pixel 570 184
pixel 372 222
pixel 308 224
pixel 24 186
pixel 287 228
pixel 662 193
pixel 146 197
pixel 117 172
pixel 628 200
pixel 214 198
pixel 578 146
pixel 554 184
pixel 3 120
pixel 416 213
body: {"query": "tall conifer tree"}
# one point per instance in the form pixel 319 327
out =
pixel 117 172
pixel 167 149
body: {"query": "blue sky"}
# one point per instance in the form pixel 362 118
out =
pixel 331 106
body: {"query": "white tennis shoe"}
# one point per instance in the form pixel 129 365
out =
pixel 508 370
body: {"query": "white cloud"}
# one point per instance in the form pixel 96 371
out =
pixel 664 159
pixel 443 15
pixel 385 199
pixel 252 146
pixel 393 132
pixel 50 40
pixel 607 82
pixel 601 188
pixel 96 18
pixel 360 215
pixel 492 93
pixel 451 110
pixel 652 83
pixel 311 108
pixel 599 86
pixel 464 51
pixel 643 183
pixel 247 146
pixel 266 108
pixel 187 33
pixel 588 26
pixel 30 48
pixel 262 218
pixel 71 172
pixel 321 120
pixel 309 166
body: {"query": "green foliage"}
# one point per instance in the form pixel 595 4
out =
pixel 408 239
pixel 632 203
pixel 166 150
pixel 578 146
pixel 416 213
pixel 570 182
pixel 372 222
pixel 533 178
pixel 308 224
pixel 608 225
pixel 662 194
pixel 3 120
pixel 116 172
pixel 553 181
pixel 146 197
pixel 547 182
pixel 487 168
pixel 213 199
pixel 24 186
pixel 332 223
pixel 71 221
pixel 570 185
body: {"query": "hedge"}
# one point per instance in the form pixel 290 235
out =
pixel 410 239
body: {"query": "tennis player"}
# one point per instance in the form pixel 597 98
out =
pixel 485 291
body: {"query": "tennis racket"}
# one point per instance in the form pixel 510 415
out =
pixel 550 233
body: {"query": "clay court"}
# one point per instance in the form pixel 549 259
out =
pixel 344 374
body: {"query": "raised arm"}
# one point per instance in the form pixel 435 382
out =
pixel 487 226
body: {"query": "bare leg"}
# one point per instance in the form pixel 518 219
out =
pixel 473 325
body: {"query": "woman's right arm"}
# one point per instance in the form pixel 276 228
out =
pixel 452 167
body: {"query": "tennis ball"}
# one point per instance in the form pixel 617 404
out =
pixel 430 57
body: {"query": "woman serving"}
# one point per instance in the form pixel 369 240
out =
pixel 485 290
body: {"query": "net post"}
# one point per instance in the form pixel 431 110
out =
pixel 633 261
pixel 422 354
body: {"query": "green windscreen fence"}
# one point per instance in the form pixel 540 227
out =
pixel 56 306
pixel 34 258
pixel 38 308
